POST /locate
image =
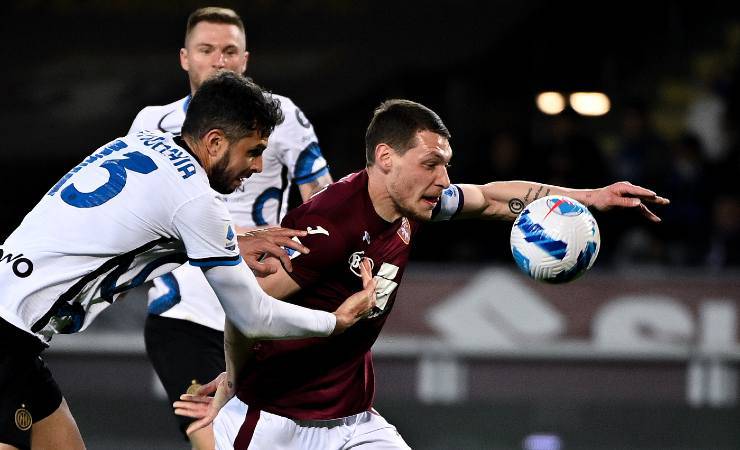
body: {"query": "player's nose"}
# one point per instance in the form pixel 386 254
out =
pixel 220 61
pixel 443 178
pixel 257 165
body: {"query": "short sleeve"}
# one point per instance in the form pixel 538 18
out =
pixel 204 225
pixel 450 204
pixel 327 245
pixel 299 146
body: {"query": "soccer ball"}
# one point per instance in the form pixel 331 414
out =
pixel 555 239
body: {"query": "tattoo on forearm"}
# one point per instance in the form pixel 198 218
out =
pixel 516 206
pixel 526 197
pixel 539 191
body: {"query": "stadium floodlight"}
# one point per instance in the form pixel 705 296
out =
pixel 551 103
pixel 590 103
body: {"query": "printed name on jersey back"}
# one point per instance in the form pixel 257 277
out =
pixel 177 156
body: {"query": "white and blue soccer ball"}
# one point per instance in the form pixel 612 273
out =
pixel 555 239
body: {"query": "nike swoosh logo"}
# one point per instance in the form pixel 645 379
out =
pixel 159 125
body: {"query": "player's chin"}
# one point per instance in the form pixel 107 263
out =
pixel 238 182
pixel 423 213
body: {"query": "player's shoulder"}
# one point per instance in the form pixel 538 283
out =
pixel 294 120
pixel 177 163
pixel 334 212
pixel 339 199
pixel 151 117
pixel 162 109
pixel 286 103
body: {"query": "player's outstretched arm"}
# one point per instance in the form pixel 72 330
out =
pixel 256 314
pixel 506 199
pixel 281 285
pixel 259 316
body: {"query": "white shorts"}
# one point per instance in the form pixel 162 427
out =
pixel 237 428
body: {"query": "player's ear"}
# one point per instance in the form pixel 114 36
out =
pixel 246 61
pixel 383 157
pixel 215 142
pixel 184 62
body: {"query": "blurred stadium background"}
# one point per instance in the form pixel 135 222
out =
pixel 641 353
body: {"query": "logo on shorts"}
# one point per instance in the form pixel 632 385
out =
pixel 193 388
pixel 23 419
pixel 354 262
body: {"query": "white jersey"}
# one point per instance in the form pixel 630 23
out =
pixel 135 209
pixel 292 154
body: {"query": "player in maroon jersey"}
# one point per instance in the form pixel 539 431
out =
pixel 318 393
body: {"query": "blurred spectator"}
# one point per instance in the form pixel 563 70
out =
pixel 505 158
pixel 569 156
pixel 641 157
pixel 641 153
pixel 685 183
pixel 724 247
pixel 706 114
pixel 501 157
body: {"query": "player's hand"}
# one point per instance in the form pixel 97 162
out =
pixel 201 405
pixel 626 195
pixel 358 305
pixel 257 244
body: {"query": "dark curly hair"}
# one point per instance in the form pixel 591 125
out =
pixel 234 104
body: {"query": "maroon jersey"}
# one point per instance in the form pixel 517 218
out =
pixel 328 378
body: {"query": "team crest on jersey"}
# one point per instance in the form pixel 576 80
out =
pixel 230 235
pixel 355 260
pixel 404 231
pixel 23 419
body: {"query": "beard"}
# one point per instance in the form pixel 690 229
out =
pixel 220 179
pixel 395 191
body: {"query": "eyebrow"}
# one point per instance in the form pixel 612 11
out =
pixel 209 45
pixel 258 148
pixel 432 155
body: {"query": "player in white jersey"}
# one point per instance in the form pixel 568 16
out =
pixel 133 210
pixel 184 328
